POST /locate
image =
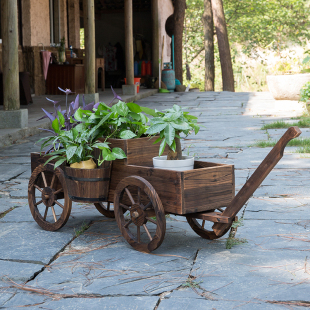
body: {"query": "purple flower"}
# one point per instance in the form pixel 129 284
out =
pixel 67 91
pixel 116 96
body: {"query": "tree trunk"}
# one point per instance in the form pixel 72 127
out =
pixel 179 14
pixel 177 155
pixel 209 45
pixel 223 44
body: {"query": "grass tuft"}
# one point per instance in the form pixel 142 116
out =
pixel 304 122
pixel 302 143
pixel 84 227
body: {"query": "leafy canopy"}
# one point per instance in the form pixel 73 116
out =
pixel 169 124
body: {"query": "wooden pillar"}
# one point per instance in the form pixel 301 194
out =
pixel 10 66
pixel 90 47
pixel 155 25
pixel 129 43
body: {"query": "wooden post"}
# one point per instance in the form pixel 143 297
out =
pixel 10 55
pixel 90 47
pixel 129 43
pixel 155 22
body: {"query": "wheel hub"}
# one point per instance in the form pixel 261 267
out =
pixel 138 216
pixel 48 196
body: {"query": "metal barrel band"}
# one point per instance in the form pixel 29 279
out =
pixel 75 198
pixel 86 179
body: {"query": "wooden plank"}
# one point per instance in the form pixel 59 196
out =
pixel 207 188
pixel 167 184
pixel 215 217
pixel 129 56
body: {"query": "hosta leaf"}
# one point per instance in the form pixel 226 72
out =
pixel 156 128
pixel 134 116
pixel 144 119
pixel 78 115
pixel 169 134
pixel 118 153
pixel 121 108
pixel 127 134
pixel 79 151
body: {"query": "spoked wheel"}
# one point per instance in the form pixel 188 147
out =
pixel 105 209
pixel 53 207
pixel 144 225
pixel 203 228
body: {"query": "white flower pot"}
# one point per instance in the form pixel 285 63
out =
pixel 287 87
pixel 161 162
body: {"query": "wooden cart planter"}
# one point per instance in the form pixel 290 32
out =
pixel 204 195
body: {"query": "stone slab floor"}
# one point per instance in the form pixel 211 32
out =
pixel 267 268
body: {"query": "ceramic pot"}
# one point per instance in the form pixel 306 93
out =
pixel 87 164
pixel 161 162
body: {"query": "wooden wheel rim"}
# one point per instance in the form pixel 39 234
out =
pixel 202 232
pixel 105 210
pixel 149 190
pixel 33 205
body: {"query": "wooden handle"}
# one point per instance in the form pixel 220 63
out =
pixel 257 177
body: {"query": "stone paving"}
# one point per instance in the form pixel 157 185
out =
pixel 267 268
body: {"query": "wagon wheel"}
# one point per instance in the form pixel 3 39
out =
pixel 144 226
pixel 52 210
pixel 105 210
pixel 203 228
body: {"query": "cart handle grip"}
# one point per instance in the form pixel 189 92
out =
pixel 257 178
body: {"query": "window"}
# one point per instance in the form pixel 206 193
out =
pixel 55 21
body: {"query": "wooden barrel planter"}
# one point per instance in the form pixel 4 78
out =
pixel 88 185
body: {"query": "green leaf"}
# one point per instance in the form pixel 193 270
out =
pixel 78 115
pixel 149 111
pixel 55 125
pixel 50 159
pixel 79 151
pixel 156 128
pixel 144 119
pixel 157 140
pixel 169 134
pixel 101 145
pixel 135 116
pixel 180 125
pixel 59 162
pixel 61 118
pixel 133 107
pixel 118 153
pixel 70 151
pixel 162 147
pixel 173 146
pixel 121 108
pixel 127 134
pixel 109 157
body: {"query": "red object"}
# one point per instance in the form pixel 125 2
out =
pixel 149 68
pixel 143 68
pixel 136 81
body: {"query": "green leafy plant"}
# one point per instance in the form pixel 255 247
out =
pixel 125 120
pixel 305 92
pixel 80 231
pixel 169 124
pixel 78 143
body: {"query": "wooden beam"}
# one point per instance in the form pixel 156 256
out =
pixel 155 27
pixel 10 66
pixel 129 42
pixel 90 47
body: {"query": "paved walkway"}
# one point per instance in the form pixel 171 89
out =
pixel 268 268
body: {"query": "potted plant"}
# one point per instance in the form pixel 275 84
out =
pixel 74 149
pixel 287 78
pixel 169 124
